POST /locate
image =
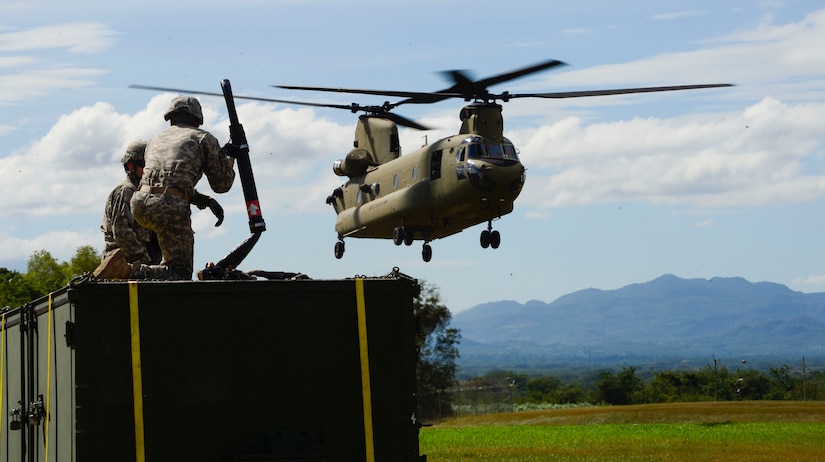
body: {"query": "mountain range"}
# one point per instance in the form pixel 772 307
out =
pixel 666 319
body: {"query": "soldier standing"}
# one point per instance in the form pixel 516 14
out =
pixel 176 159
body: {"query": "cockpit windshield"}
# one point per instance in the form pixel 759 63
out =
pixel 477 149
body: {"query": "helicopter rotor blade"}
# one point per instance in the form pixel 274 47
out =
pixel 617 91
pixel 464 86
pixel 469 89
pixel 249 98
pixel 360 91
pixel 403 121
pixel 377 110
pixel 501 78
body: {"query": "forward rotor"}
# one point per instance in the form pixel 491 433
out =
pixel 477 90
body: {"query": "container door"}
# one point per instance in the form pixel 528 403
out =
pixel 36 416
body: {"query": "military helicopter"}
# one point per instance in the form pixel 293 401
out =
pixel 446 186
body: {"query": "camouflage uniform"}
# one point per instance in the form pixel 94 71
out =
pixel 120 230
pixel 176 159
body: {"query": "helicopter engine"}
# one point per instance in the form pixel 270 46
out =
pixel 483 119
pixel 354 164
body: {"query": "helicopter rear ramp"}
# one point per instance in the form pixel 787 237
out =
pixel 212 371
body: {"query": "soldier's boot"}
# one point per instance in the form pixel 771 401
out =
pixel 113 266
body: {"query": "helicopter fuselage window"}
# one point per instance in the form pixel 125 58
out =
pixel 415 173
pixel 395 181
pixel 460 166
pixel 435 165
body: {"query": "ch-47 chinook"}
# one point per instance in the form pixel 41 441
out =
pixel 442 188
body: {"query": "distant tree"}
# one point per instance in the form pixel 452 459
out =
pixel 815 386
pixel 15 289
pixel 542 389
pixel 751 384
pixel 44 273
pixel 85 260
pixel 437 353
pixel 570 393
pixel 622 388
pixel 677 386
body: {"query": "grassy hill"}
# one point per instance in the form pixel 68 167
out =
pixel 719 431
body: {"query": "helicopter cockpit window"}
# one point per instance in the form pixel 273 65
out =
pixel 491 151
pixel 510 151
pixel 494 151
pixel 475 151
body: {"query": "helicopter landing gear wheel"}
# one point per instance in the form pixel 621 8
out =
pixel 495 239
pixel 490 237
pixel 339 249
pixel 402 235
pixel 485 239
pixel 409 236
pixel 427 253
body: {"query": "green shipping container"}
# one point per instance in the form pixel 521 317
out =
pixel 212 371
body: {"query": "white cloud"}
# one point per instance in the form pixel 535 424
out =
pixel 75 37
pixel 61 244
pixel 811 280
pixel 31 76
pixel 73 167
pixel 814 283
pixel 37 82
pixel 678 15
pixel 784 56
pixel 754 158
pixel 14 61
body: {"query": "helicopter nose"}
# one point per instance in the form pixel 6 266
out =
pixel 479 176
pixel 489 177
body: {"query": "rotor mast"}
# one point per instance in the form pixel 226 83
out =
pixel 483 119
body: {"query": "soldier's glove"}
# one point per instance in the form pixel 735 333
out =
pixel 217 210
pixel 203 201
pixel 234 150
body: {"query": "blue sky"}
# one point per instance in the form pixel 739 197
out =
pixel 620 189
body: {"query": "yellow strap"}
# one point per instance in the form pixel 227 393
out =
pixel 2 371
pixel 366 392
pixel 137 381
pixel 48 375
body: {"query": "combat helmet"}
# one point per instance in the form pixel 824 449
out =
pixel 185 105
pixel 134 153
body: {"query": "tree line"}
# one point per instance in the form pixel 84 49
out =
pixel 710 383
pixel 44 274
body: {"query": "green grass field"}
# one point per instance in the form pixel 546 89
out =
pixel 723 431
